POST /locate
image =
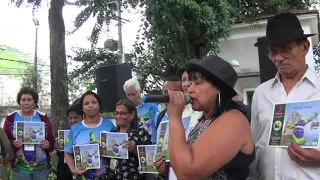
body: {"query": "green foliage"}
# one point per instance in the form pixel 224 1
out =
pixel 249 10
pixel 85 74
pixel 28 78
pixel 176 31
pixel 103 10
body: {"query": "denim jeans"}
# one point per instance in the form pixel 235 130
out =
pixel 40 175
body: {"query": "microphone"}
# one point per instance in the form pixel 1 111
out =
pixel 162 98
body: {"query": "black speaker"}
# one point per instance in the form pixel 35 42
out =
pixel 110 80
pixel 267 69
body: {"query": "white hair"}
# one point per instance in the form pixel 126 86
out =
pixel 133 82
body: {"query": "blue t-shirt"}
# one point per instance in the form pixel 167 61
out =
pixel 82 134
pixel 32 157
pixel 146 115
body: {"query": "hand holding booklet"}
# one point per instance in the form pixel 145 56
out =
pixel 87 155
pixel 163 138
pixel 112 145
pixel 295 123
pixel 145 155
pixel 30 132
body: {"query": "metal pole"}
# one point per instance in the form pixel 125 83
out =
pixel 35 75
pixel 120 48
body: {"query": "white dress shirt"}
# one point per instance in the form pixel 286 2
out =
pixel 274 163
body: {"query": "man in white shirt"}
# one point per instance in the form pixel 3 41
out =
pixel 295 81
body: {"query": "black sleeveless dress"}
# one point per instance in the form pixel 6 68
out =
pixel 236 169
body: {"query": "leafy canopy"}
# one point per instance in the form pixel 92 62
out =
pixel 90 59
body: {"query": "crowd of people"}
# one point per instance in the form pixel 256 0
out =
pixel 227 139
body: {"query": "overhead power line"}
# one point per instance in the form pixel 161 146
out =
pixel 12 60
pixel 8 74
pixel 19 69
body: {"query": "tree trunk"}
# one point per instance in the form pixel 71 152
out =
pixel 58 66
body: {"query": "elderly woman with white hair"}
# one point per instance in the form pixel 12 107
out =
pixel 146 111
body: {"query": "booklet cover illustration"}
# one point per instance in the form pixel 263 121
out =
pixel 163 141
pixel 113 145
pixel 30 132
pixel 163 137
pixel 87 155
pixel 146 155
pixel 62 138
pixel 296 123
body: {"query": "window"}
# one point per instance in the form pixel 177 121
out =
pixel 247 95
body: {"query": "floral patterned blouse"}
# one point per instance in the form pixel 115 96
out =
pixel 127 169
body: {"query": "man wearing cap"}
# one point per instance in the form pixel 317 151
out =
pixel 295 81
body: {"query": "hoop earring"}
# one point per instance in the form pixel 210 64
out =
pixel 219 100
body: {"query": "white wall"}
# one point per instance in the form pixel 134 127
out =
pixel 241 48
pixel 243 51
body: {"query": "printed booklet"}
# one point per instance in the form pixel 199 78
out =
pixel 146 155
pixel 30 132
pixel 87 155
pixel 62 138
pixel 163 138
pixel 296 123
pixel 112 145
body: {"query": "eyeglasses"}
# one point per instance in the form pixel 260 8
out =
pixel 121 114
pixel 283 51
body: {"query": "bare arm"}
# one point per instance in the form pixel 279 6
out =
pixel 69 160
pixel 255 132
pixel 217 146
pixel 6 146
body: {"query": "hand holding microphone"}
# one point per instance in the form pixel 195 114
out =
pixel 176 99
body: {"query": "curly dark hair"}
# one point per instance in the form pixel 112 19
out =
pixel 28 90
pixel 90 93
pixel 75 108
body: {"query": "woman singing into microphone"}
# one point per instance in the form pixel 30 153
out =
pixel 221 146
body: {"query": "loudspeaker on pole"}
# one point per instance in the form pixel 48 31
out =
pixel 110 80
